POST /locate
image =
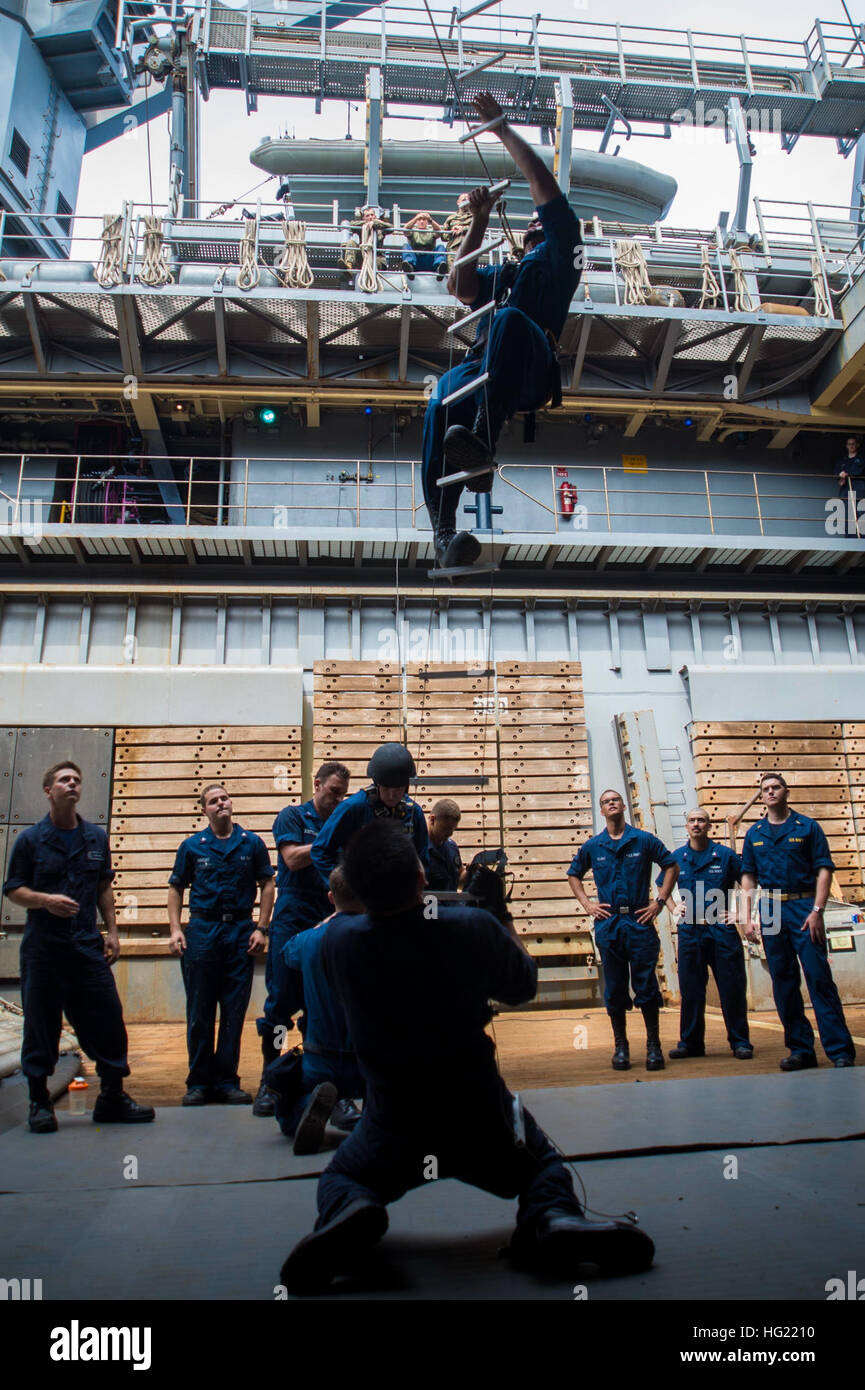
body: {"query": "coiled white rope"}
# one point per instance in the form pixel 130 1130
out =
pixel 710 290
pixel 249 275
pixel 108 267
pixel 632 263
pixel 293 267
pixel 154 269
pixel 822 305
pixel 742 300
pixel 368 279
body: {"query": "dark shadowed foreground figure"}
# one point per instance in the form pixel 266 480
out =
pixel 396 969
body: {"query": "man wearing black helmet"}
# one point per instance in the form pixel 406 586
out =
pixel 390 769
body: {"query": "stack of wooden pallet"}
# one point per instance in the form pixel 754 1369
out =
pixel 451 730
pixel 158 775
pixel 356 706
pixel 546 808
pixel 823 763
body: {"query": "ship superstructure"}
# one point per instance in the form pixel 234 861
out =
pixel 216 558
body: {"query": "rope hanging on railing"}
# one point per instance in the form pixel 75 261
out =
pixel 108 267
pixel 822 304
pixel 249 275
pixel 155 269
pixel 710 289
pixel 742 300
pixel 632 263
pixel 368 279
pixel 293 267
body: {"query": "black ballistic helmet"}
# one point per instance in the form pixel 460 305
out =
pixel 391 765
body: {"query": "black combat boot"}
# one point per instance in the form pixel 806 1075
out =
pixel 453 548
pixel 622 1054
pixel 474 450
pixel 654 1053
pixel 263 1103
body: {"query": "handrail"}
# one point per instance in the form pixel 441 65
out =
pixel 711 501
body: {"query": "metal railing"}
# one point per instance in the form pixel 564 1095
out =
pixel 621 50
pixel 104 491
pixel 789 235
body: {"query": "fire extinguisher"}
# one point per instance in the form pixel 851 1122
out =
pixel 567 498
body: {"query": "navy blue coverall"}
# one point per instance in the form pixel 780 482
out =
pixel 514 348
pixel 63 965
pixel 301 903
pixel 707 942
pixel 222 877
pixel 445 866
pixel 785 859
pixel 358 810
pixel 395 976
pixel 328 1054
pixel 622 871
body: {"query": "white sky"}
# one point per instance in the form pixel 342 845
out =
pixel 703 165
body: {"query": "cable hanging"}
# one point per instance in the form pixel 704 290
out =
pixel 710 288
pixel 635 273
pixel 822 304
pixel 108 271
pixel 368 280
pixel 249 275
pixel 743 302
pixel 293 266
pixel 155 269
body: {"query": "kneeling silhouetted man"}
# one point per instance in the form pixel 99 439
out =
pixel 415 993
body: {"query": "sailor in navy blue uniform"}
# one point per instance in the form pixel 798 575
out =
pixel 620 858
pixel 307 1088
pixel 60 871
pixel 517 348
pixel 301 903
pixel 223 866
pixel 787 855
pixel 709 940
pixel 391 769
pixel 445 862
pixel 394 970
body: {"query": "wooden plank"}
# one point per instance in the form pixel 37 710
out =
pixel 472 684
pixel 356 668
pixel 539 668
pixel 506 685
pixel 336 718
pixel 167 754
pixel 518 772
pixel 546 890
pixel 812 777
pixel 558 737
pixel 766 729
pixel 209 771
pixel 356 700
pixel 753 764
pixel 532 925
pixel 179 808
pixel 208 733
pixel 381 684
pixel 769 746
pixel 514 805
pixel 248 787
pixel 518 719
pixel 575 782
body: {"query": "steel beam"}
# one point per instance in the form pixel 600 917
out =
pixel 665 361
pixel 564 134
pixel 220 335
pixel 34 331
pixel 313 363
pixel 373 147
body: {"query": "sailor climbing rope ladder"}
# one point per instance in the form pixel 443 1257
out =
pixel 519 309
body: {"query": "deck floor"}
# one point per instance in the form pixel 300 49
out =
pixel 536 1049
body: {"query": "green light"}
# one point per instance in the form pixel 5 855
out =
pixel 266 415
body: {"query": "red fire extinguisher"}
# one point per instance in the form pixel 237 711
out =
pixel 567 498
